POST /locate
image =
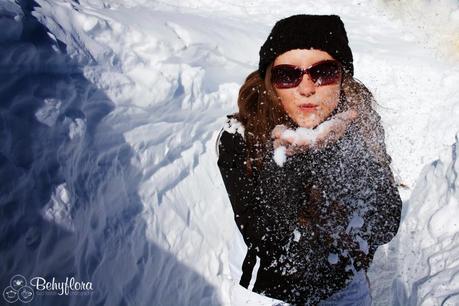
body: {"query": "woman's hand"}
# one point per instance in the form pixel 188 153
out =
pixel 303 139
pixel 332 130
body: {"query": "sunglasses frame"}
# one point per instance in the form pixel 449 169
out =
pixel 307 71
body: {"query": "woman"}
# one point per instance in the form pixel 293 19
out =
pixel 312 223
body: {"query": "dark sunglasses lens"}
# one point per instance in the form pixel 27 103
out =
pixel 325 73
pixel 285 76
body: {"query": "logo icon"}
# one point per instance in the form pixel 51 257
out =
pixel 18 290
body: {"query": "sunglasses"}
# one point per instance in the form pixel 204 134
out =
pixel 322 73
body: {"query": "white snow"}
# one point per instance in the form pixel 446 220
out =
pixel 234 126
pixel 302 136
pixel 49 112
pixel 333 258
pixel 77 128
pixel 296 235
pixel 363 244
pixel 423 257
pixel 124 145
pixel 356 222
pixel 279 155
pixel 58 208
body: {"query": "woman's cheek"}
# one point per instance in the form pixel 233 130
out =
pixel 288 104
pixel 330 102
pixel 329 106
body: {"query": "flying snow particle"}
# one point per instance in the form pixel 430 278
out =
pixel 279 155
pixel 333 258
pixel 296 235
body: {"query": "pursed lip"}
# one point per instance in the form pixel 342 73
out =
pixel 308 106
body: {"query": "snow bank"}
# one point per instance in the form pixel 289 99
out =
pixel 438 27
pixel 69 186
pixel 423 257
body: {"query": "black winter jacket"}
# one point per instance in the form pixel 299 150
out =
pixel 313 222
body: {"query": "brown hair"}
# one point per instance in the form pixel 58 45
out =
pixel 260 111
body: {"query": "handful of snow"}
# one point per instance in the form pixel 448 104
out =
pixel 303 137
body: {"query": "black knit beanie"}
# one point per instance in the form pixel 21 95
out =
pixel 323 32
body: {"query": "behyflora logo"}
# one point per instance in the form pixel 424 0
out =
pixel 18 290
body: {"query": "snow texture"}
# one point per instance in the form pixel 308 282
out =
pixel 301 135
pixel 109 115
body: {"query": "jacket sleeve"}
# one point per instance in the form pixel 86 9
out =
pixel 248 215
pixel 375 200
pixel 384 212
pixel 381 216
pixel 368 205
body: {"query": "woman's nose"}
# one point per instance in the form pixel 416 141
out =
pixel 306 86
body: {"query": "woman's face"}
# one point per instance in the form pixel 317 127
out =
pixel 307 104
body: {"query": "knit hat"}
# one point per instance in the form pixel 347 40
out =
pixel 323 32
